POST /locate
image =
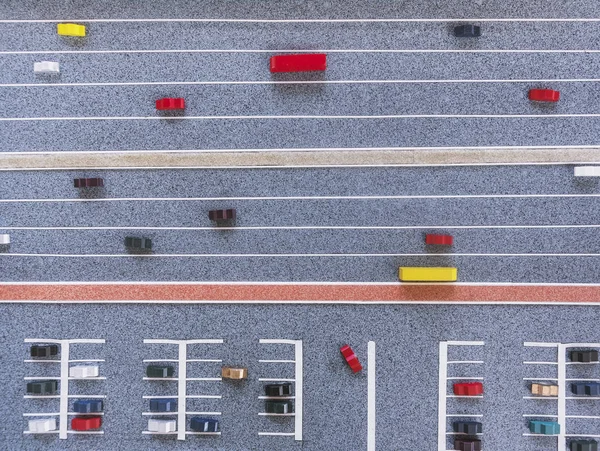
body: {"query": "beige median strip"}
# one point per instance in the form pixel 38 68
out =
pixel 100 160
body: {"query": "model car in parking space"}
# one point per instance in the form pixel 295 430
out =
pixel 467 31
pixel 199 424
pixel 222 215
pixel 279 406
pixel 95 182
pixel 283 389
pixel 43 350
pixel 138 243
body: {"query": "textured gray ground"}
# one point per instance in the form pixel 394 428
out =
pixel 335 400
pixel 434 214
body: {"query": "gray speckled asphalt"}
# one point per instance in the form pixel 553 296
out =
pixel 406 336
pixel 335 400
pixel 419 215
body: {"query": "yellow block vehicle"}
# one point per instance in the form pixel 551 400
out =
pixel 70 29
pixel 422 274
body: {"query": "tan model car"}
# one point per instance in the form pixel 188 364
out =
pixel 228 372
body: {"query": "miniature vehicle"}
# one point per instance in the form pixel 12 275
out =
pixel 163 405
pixel 467 427
pixel 160 371
pixel 425 274
pixel 279 407
pixel 42 387
pixel 222 215
pixel 583 445
pixel 587 171
pixel 83 371
pixel 584 356
pixel 468 388
pixel 283 389
pixel 544 427
pixel 440 240
pixel 46 67
pixel 138 243
pixel 544 389
pixel 70 29
pixel 162 426
pixel 42 425
pixel 43 350
pixel 305 62
pixel 89 183
pixel 467 31
pixel 88 406
pixel 170 103
pixel 228 372
pixel 199 424
pixel 86 423
pixel 467 444
pixel 351 358
pixel 4 238
pixel 544 95
pixel 586 388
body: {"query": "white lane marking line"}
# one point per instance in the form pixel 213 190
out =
pixel 535 362
pixel 274 51
pixel 371 400
pixel 63 422
pixel 302 198
pixel 561 350
pixel 279 302
pixel 306 283
pixel 315 21
pixel 442 387
pixel 302 82
pixel 333 149
pixel 295 255
pixel 299 387
pixel 300 117
pixel 250 228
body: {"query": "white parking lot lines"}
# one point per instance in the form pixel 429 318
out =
pixel 182 379
pixel 298 387
pixel 63 396
pixel 443 386
pixel 561 380
pixel 371 400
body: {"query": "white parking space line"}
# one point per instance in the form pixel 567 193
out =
pixel 561 380
pixel 298 387
pixel 371 400
pixel 443 396
pixel 182 380
pixel 63 396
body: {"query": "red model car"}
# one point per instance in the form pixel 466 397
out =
pixel 441 240
pixel 170 104
pixel 351 358
pixel 544 95
pixel 305 62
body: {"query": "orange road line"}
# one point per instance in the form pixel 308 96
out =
pixel 293 292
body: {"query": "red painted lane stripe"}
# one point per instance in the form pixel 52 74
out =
pixel 292 292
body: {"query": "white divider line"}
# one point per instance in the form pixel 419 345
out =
pixel 562 406
pixel 541 344
pixel 423 254
pixel 181 391
pixel 308 21
pixel 301 82
pixel 581 345
pixel 541 379
pixel 583 435
pixel 372 405
pixel 63 421
pixel 582 380
pixel 534 415
pixel 539 363
pixel 466 362
pixel 586 417
pixel 245 228
pixel 442 386
pixel 274 51
pixel 303 198
pixel 276 361
pixel 299 117
pixel 299 371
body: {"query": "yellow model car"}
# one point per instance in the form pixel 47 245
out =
pixel 70 29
